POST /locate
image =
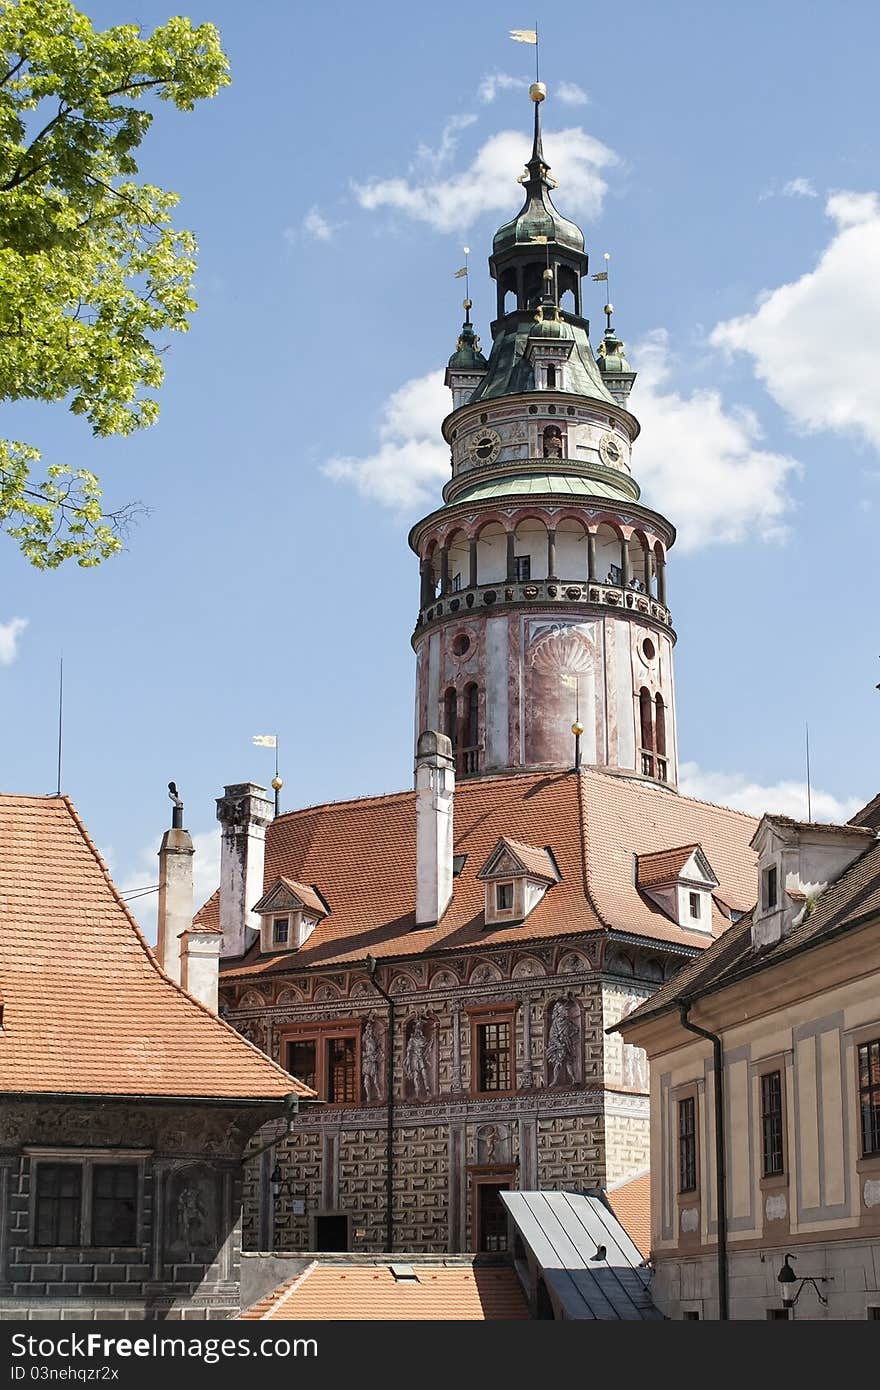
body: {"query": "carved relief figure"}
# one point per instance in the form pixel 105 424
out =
pixel 371 1061
pixel 417 1059
pixel 562 1041
pixel 192 1212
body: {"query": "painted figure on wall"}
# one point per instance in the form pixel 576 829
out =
pixel 562 1043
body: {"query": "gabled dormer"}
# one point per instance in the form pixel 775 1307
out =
pixel 288 913
pixel 516 877
pixel 796 861
pixel 681 882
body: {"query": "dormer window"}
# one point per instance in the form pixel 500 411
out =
pixel 516 877
pixel 680 882
pixel 289 912
pixel 770 888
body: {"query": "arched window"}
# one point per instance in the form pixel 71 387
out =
pixel 660 736
pixel 646 713
pixel 551 377
pixel 471 742
pixel 450 717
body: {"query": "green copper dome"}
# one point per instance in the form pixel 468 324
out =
pixel 467 356
pixel 538 218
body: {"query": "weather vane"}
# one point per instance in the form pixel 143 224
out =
pixel 528 36
pixel 604 275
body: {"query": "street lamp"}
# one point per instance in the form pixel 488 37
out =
pixel 787 1278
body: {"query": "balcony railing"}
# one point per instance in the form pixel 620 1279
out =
pixel 586 592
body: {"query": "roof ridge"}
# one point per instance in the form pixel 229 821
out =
pixel 152 959
pixel 585 858
pixel 646 785
pixel 461 783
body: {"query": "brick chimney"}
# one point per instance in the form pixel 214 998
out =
pixel 175 889
pixel 243 811
pixel 435 790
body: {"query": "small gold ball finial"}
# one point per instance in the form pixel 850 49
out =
pixel 277 783
pixel 548 274
pixel 467 304
pixel 537 91
pixel 577 729
pixel 609 309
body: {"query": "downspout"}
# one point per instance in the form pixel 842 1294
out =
pixel 389 1087
pixel 720 1175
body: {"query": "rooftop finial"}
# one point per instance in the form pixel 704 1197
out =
pixel 177 812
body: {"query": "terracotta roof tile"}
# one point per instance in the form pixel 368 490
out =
pixel 456 1293
pixel 663 865
pixel 631 1203
pixel 849 902
pixel 535 861
pixel 361 856
pixel 87 1009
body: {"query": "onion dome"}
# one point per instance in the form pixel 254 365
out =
pixel 538 217
pixel 467 356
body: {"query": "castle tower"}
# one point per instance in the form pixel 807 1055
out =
pixel 543 578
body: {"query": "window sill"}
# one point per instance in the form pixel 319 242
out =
pixel 868 1163
pixel 773 1182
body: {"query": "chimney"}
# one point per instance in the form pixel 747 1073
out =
pixel 243 811
pixel 175 889
pixel 199 957
pixel 435 789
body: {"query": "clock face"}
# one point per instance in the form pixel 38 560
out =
pixel 485 446
pixel 610 450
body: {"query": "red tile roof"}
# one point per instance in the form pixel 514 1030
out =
pixel 361 856
pixel 537 862
pixel 87 1009
pixel 370 1292
pixel 663 866
pixel 631 1203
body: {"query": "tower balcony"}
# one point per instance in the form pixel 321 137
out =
pixel 566 593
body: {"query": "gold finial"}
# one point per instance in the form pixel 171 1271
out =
pixel 577 729
pixel 277 783
pixel 548 274
pixel 537 91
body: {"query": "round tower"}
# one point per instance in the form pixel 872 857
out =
pixel 543 578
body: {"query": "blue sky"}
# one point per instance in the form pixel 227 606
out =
pixel 724 155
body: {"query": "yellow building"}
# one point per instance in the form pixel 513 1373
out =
pixel 788 1001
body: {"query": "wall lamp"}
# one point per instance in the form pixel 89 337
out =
pixel 787 1278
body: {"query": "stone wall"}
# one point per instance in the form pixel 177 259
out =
pixel 185 1260
pixel 852 1267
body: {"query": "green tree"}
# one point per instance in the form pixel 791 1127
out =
pixel 92 273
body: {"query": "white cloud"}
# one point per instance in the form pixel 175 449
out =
pixel 695 459
pixel 412 461
pixel 453 202
pixel 495 82
pixel 434 160
pixel 316 225
pixel 144 872
pixel 801 336
pixel 799 188
pixel 570 94
pixel 700 461
pixel 9 635
pixel 736 790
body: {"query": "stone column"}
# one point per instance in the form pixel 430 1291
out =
pixel 427 575
pixel 591 556
pixel 551 552
pixel 647 569
pixel 456 1045
pixel 511 557
pixel 527 1079
pixel 624 562
pixel 661 580
pixel 472 558
pixel 444 570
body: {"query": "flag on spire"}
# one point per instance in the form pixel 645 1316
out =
pixel 265 740
pixel 524 35
pixel 602 275
pixel 460 274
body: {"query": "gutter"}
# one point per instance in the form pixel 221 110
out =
pixel 389 1087
pixel 720 1174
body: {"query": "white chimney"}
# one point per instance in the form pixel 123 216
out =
pixel 435 790
pixel 243 811
pixel 175 889
pixel 200 963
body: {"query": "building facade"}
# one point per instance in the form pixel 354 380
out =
pixel 792 994
pixel 126 1105
pixel 442 965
